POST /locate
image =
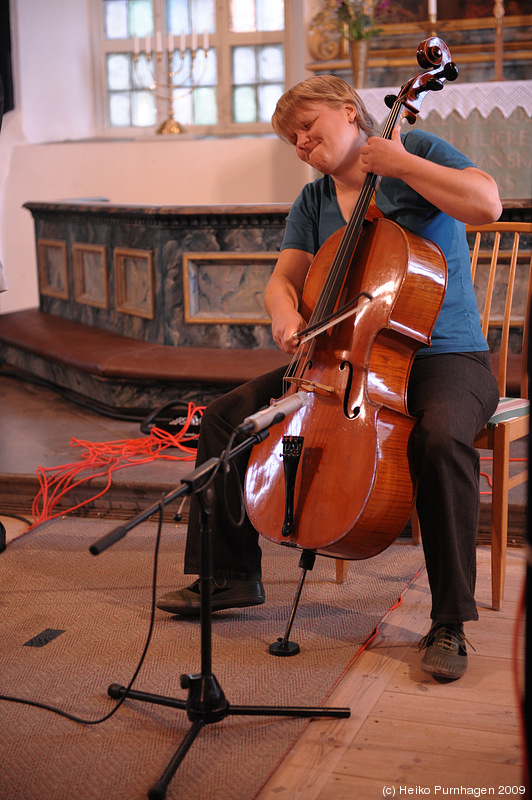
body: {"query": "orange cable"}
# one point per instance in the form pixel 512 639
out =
pixel 488 476
pixel 373 635
pixel 103 459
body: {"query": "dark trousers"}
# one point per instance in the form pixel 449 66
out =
pixel 453 396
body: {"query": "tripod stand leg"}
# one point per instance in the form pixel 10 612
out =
pixel 306 712
pixel 158 790
pixel 282 647
pixel 116 691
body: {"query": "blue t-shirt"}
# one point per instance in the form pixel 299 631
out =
pixel 315 215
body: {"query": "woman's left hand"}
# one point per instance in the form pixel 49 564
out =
pixel 383 156
pixel 469 194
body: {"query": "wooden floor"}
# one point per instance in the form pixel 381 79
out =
pixel 409 735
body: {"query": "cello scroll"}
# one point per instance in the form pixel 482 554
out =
pixel 434 56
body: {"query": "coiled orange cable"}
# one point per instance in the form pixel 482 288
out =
pixel 103 459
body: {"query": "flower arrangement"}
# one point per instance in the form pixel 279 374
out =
pixel 356 18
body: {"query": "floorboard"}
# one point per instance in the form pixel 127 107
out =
pixel 410 732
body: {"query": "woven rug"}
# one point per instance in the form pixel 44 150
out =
pixel 73 623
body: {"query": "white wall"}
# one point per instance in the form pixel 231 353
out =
pixel 54 68
pixel 48 150
pixel 159 173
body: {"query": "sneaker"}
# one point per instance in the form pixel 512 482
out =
pixel 445 651
pixel 226 593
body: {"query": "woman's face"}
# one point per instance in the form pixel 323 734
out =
pixel 327 138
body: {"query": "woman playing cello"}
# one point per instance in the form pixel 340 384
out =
pixel 429 188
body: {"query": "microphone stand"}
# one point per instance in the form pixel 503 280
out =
pixel 206 702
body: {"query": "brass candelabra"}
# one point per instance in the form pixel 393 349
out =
pixel 166 75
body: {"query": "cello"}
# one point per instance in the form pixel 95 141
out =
pixel 334 477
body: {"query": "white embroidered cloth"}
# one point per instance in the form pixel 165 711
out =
pixel 484 97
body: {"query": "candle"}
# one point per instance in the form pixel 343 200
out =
pixel 433 10
pixel 182 42
pixel 158 42
pixel 205 40
pixel 194 41
pixel 170 42
pixel 148 43
pixel 136 44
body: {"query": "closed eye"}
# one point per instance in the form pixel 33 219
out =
pixel 305 126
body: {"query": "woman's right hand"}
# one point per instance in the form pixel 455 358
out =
pixel 282 297
pixel 284 326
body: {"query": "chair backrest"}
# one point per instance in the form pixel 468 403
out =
pixel 501 266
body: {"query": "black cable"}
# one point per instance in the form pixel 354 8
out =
pixel 227 466
pixel 53 709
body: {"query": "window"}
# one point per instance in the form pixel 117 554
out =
pixel 226 63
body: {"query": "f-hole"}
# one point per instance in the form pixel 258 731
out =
pixel 356 411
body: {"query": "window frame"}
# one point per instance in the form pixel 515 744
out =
pixel 223 40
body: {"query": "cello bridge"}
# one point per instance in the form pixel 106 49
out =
pixel 311 386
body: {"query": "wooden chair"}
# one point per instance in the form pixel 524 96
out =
pixel 510 267
pixel 501 262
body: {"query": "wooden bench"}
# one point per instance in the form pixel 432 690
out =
pixel 39 343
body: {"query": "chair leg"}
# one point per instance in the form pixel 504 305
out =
pixel 341 569
pixel 414 521
pixel 416 527
pixel 499 516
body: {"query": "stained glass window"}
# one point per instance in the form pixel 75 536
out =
pixel 258 74
pixel 123 18
pixel 257 15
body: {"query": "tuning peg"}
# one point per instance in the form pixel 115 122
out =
pixel 390 100
pixel 433 85
pixel 450 71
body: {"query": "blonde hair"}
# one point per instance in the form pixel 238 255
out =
pixel 327 89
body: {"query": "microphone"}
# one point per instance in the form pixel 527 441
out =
pixel 276 412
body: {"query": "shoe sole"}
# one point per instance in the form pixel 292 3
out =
pixel 194 611
pixel 442 673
